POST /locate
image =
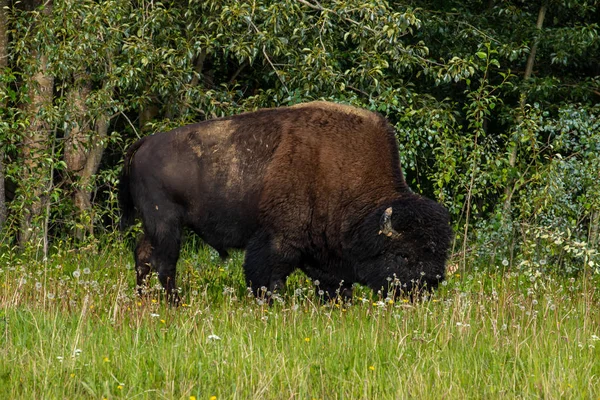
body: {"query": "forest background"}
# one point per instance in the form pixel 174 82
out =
pixel 495 105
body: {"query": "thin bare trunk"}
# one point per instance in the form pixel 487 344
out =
pixel 148 113
pixel 3 64
pixel 36 143
pixel 198 67
pixel 508 191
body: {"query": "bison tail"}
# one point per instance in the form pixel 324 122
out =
pixel 124 188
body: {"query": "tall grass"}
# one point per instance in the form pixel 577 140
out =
pixel 73 328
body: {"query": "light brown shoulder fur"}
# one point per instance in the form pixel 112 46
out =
pixel 341 108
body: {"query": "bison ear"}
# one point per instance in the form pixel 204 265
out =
pixel 385 224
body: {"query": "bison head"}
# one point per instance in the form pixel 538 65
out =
pixel 404 245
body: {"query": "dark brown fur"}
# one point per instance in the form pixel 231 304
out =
pixel 297 187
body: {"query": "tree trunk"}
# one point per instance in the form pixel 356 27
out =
pixel 3 65
pixel 595 231
pixel 594 235
pixel 36 144
pixel 508 191
pixel 83 151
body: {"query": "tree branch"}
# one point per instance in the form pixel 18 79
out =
pixel 264 50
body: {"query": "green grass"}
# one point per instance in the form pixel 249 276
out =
pixel 74 335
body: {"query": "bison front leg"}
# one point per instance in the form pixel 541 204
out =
pixel 268 263
pixel 333 287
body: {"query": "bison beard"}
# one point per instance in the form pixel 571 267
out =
pixel 316 186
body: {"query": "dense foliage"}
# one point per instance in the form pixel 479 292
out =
pixel 495 104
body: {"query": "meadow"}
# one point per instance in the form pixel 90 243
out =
pixel 72 327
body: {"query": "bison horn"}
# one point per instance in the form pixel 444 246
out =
pixel 385 224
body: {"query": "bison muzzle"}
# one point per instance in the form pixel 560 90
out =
pixel 316 186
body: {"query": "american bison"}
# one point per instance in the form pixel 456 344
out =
pixel 316 186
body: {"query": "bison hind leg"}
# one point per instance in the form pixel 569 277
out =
pixel 164 237
pixel 143 252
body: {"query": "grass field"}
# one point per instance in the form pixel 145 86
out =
pixel 73 328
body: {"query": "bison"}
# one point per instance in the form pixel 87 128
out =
pixel 315 186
